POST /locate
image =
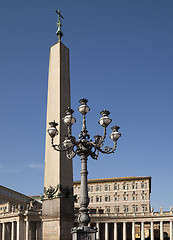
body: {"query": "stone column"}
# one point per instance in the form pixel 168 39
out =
pixel 3 231
pixel 124 230
pixel 12 231
pixel 106 232
pixel 161 230
pixel 20 230
pixel 38 231
pixel 98 231
pixel 152 231
pixel 171 232
pixel 0 231
pixel 133 231
pixel 142 231
pixel 115 231
pixel 27 229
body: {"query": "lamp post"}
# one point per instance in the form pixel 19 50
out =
pixel 84 147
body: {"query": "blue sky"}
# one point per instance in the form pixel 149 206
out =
pixel 121 59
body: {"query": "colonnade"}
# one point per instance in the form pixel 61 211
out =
pixel 21 230
pixel 117 232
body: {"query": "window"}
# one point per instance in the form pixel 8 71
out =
pixel 116 209
pixel 144 207
pixel 97 198
pixel 133 185
pixel 134 196
pixel 143 195
pixel 107 198
pixel 142 184
pixel 91 199
pixel 97 188
pixel 107 187
pixel 107 209
pixel 125 186
pixel 125 208
pixel 135 208
pixel 116 197
pixel 116 186
pixel 125 196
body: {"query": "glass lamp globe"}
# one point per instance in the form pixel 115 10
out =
pixel 69 119
pixel 83 108
pixel 52 130
pixel 105 120
pixel 115 135
pixel 67 143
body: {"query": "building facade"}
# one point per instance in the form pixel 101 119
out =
pixel 117 195
pixel 21 216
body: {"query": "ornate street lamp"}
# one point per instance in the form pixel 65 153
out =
pixel 84 147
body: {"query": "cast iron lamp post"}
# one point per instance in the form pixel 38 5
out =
pixel 84 147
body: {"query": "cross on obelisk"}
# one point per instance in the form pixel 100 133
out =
pixel 59 31
pixel 57 214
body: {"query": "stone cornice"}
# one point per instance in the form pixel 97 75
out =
pixel 116 179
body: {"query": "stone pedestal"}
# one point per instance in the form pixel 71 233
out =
pixel 58 219
pixel 86 233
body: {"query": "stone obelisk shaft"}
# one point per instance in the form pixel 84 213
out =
pixel 58 213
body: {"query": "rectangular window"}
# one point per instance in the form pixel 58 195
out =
pixel 144 207
pixel 107 209
pixel 126 208
pixel 142 184
pixel 135 208
pixel 116 209
pixel 97 198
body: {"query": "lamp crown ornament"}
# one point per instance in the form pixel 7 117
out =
pixel 69 111
pixel 104 113
pixel 83 101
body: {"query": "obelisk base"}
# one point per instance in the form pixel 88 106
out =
pixel 85 233
pixel 58 219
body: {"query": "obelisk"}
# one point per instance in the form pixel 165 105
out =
pixel 58 212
